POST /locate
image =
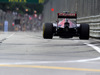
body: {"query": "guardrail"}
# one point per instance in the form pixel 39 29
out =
pixel 94 22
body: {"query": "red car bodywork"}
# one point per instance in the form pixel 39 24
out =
pixel 61 23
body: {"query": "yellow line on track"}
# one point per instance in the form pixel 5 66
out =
pixel 51 67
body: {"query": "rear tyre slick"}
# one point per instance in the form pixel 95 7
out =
pixel 48 31
pixel 84 32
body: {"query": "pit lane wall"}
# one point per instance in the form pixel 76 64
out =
pixel 88 12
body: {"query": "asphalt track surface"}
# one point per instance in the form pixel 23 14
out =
pixel 27 53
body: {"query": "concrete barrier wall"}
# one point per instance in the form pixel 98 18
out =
pixel 88 12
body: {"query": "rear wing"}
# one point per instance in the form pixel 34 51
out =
pixel 64 15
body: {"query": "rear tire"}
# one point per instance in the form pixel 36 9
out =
pixel 84 32
pixel 48 31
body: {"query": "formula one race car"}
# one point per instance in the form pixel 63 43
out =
pixel 66 28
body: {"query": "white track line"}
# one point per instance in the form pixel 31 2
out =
pixel 94 47
pixel 10 35
pixel 52 62
pixel 58 62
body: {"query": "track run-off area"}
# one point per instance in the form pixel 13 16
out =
pixel 27 53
